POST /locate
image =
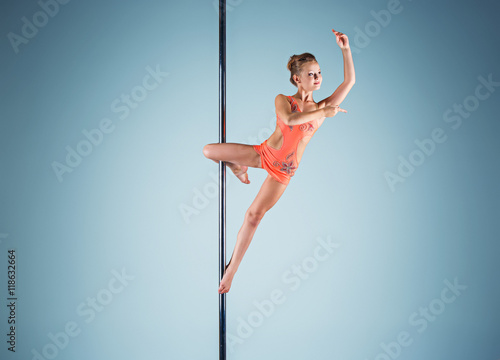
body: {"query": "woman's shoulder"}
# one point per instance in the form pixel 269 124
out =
pixel 283 97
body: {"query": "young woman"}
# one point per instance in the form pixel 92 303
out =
pixel 298 118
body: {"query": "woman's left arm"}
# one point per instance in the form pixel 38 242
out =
pixel 349 75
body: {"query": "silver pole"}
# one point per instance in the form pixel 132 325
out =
pixel 222 176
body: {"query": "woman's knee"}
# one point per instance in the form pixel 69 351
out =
pixel 254 216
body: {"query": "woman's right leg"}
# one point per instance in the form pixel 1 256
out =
pixel 236 156
pixel 268 195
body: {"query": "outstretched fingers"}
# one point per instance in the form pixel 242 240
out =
pixel 342 39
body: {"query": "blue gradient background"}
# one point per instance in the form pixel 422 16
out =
pixel 122 207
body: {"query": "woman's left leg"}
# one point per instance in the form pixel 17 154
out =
pixel 236 156
pixel 268 195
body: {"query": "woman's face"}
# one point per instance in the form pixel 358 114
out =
pixel 310 76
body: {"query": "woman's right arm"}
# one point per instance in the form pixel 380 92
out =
pixel 289 118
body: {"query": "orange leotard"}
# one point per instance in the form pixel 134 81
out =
pixel 282 163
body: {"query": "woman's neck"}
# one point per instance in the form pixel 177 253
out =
pixel 305 96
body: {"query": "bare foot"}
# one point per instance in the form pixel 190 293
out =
pixel 240 172
pixel 226 281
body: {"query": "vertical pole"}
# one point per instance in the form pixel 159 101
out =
pixel 222 176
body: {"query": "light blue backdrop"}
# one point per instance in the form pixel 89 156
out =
pixel 385 244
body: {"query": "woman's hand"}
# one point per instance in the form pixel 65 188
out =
pixel 342 40
pixel 331 111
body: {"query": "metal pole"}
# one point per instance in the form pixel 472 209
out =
pixel 222 176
